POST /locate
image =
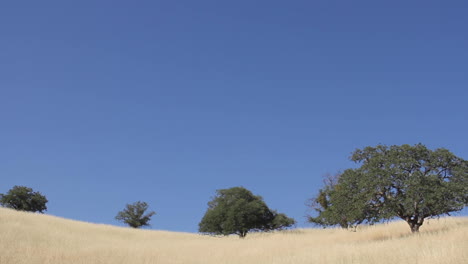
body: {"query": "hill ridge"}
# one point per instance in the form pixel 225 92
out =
pixel 36 238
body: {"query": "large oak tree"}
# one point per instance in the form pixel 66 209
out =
pixel 409 182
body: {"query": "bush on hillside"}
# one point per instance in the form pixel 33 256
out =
pixel 238 211
pixel 23 198
pixel 135 215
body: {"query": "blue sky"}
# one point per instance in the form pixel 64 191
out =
pixel 104 103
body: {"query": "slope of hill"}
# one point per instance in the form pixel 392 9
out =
pixel 27 238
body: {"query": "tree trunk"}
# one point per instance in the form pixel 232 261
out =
pixel 242 234
pixel 415 223
pixel 414 228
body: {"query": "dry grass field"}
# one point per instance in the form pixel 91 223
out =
pixel 27 238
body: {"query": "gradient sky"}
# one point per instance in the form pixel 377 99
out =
pixel 104 103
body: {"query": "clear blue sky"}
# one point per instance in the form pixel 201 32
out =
pixel 103 103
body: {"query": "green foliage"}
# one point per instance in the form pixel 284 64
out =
pixel 24 199
pixel 134 215
pixel 238 211
pixel 280 221
pixel 409 182
pixel 339 203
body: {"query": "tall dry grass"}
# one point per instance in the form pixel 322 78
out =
pixel 27 238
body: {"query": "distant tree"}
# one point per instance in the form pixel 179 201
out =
pixel 134 215
pixel 409 182
pixel 238 211
pixel 280 221
pixel 24 199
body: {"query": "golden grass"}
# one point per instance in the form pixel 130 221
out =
pixel 27 238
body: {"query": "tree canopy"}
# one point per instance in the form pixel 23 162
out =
pixel 135 215
pixel 409 182
pixel 23 198
pixel 237 211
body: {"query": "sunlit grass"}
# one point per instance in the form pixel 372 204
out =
pixel 33 238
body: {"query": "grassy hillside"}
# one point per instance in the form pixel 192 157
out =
pixel 33 238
